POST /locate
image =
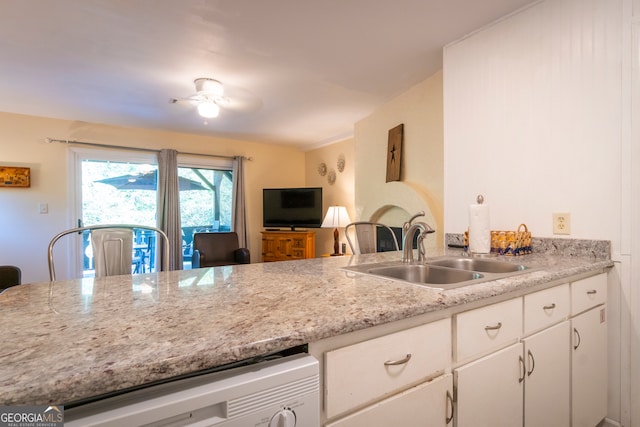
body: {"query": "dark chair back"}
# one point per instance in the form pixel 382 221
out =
pixel 218 248
pixel 10 275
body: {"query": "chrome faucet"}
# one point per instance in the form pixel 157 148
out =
pixel 407 241
pixel 407 224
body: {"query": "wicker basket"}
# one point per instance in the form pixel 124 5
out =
pixel 512 243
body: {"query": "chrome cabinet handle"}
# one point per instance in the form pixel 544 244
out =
pixel 532 362
pixel 549 307
pixel 523 369
pixel 592 292
pixel 493 328
pixel 449 418
pixel 398 362
pixel 575 331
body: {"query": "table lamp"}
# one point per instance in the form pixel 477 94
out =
pixel 336 217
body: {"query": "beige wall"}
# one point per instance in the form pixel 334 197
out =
pixel 421 187
pixel 361 187
pixel 25 234
pixel 340 193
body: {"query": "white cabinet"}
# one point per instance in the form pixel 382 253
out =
pixel 489 390
pixel 530 383
pixel 589 351
pixel 484 329
pixel 527 383
pixel 589 368
pixel 544 308
pixel 364 372
pixel 547 381
pixel 547 358
pixel 535 360
pixel 428 404
pixel 588 293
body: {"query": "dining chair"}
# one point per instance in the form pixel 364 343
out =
pixel 10 275
pixel 366 236
pixel 112 246
pixel 218 248
pixel 112 251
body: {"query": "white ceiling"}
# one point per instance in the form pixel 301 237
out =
pixel 298 72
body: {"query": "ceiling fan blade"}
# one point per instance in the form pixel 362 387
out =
pixel 192 99
pixel 240 100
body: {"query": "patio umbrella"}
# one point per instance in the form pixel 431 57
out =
pixel 148 181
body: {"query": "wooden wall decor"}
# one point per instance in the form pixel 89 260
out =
pixel 15 177
pixel 394 153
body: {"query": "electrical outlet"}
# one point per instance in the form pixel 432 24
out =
pixel 562 223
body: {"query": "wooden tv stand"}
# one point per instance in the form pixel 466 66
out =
pixel 288 245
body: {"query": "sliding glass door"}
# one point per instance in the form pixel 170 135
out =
pixel 207 209
pixel 120 187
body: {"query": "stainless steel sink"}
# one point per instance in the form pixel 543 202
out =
pixel 425 274
pixel 442 273
pixel 478 264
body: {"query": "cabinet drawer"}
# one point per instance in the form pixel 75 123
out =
pixel 422 405
pixel 298 253
pixel 587 293
pixel 545 308
pixel 484 329
pixel 357 374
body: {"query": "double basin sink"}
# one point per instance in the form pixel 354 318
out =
pixel 443 273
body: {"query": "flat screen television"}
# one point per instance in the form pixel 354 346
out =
pixel 292 207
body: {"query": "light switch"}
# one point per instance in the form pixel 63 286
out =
pixel 43 208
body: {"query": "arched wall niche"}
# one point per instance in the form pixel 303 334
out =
pixel 396 202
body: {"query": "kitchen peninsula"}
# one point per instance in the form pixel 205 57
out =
pixel 69 340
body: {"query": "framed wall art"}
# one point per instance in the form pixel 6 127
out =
pixel 394 153
pixel 11 176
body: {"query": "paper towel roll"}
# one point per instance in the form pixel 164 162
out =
pixel 479 229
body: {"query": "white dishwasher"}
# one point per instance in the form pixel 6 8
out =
pixel 282 392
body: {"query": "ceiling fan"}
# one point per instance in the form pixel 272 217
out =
pixel 209 97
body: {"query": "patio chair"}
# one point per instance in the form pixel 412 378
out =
pixel 112 246
pixel 10 275
pixel 366 233
pixel 218 248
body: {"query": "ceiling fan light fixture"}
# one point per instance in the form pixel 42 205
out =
pixel 208 109
pixel 208 86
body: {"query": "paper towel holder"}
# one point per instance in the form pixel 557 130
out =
pixel 479 231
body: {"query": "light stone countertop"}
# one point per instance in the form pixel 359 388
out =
pixel 69 340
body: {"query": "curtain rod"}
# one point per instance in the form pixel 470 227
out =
pixel 150 150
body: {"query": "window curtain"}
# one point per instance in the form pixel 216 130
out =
pixel 169 205
pixel 239 214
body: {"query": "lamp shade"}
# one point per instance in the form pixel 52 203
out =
pixel 336 217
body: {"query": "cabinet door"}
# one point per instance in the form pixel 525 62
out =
pixel 589 367
pixel 547 384
pixel 489 390
pixel 269 247
pixel 427 404
pixel 284 248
